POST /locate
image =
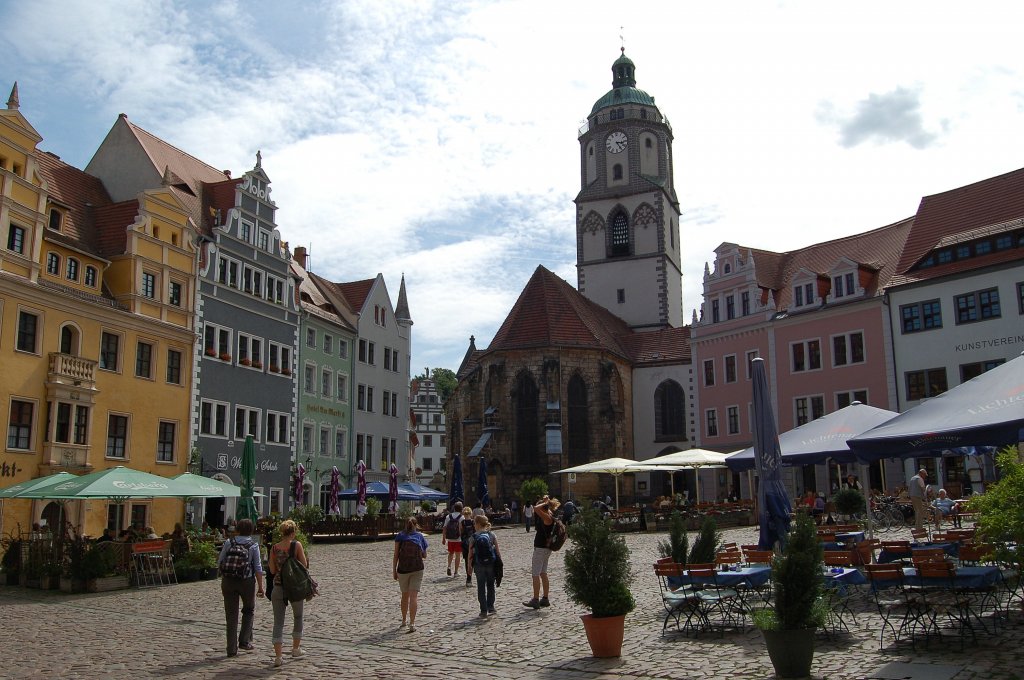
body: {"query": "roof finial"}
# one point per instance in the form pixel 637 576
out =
pixel 12 101
pixel 622 39
pixel 259 159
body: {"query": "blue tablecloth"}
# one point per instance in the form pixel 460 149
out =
pixel 966 577
pixel 850 538
pixel 951 549
pixel 752 576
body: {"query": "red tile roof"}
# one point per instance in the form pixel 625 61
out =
pixel 666 346
pixel 876 251
pixel 112 226
pixel 355 292
pixel 78 193
pixel 551 313
pixel 984 203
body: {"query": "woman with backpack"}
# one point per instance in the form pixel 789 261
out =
pixel 407 569
pixel 468 526
pixel 282 551
pixel 483 553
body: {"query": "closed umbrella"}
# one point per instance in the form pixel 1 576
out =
pixel 360 488
pixel 393 489
pixel 456 493
pixel 481 488
pixel 300 484
pixel 333 508
pixel 773 501
pixel 247 501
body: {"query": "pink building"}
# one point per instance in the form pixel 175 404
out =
pixel 817 317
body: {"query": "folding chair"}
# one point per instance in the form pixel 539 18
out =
pixel 838 593
pixel 676 597
pixel 712 598
pixel 728 557
pixel 890 597
pixel 865 550
pixel 898 549
pixel 941 598
pixel 920 535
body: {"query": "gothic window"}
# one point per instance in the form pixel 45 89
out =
pixel 669 411
pixel 578 441
pixel 644 216
pixel 593 222
pixel 527 428
pixel 619 235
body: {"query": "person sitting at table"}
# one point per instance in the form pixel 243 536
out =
pixel 943 506
pixel 819 507
pixel 107 535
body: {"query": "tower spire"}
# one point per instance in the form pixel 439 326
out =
pixel 12 101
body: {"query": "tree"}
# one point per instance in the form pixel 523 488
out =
pixel 532 490
pixel 1000 515
pixel 444 380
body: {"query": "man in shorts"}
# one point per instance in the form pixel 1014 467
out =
pixel 544 510
pixel 451 535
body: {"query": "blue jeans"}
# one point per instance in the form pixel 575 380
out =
pixel 485 586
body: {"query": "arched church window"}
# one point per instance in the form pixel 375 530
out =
pixel 648 143
pixel 578 435
pixel 620 235
pixel 669 411
pixel 526 419
pixel 617 171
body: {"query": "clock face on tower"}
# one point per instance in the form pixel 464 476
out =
pixel 616 142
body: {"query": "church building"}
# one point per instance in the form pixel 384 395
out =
pixel 602 370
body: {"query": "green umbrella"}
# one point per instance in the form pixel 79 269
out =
pixel 247 504
pixel 115 483
pixel 204 487
pixel 16 490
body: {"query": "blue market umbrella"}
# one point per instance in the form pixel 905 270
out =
pixel 773 501
pixel 481 482
pixel 456 493
pixel 416 492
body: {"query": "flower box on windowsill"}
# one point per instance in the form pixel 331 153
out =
pixel 286 371
pixel 257 364
pixel 225 357
pixel 211 353
pixel 274 368
pixel 245 362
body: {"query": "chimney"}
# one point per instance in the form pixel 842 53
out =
pixel 227 173
pixel 299 255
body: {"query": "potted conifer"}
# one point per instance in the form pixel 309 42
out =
pixel 798 608
pixel 597 576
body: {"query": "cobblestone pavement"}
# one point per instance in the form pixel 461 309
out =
pixel 351 629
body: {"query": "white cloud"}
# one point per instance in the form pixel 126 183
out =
pixel 439 138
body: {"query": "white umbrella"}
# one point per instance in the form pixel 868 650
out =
pixel 681 460
pixel 609 466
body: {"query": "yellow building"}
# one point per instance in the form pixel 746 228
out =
pixel 97 336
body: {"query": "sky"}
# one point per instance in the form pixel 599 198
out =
pixel 439 139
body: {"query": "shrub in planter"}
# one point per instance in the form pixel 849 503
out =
pixel 306 516
pixel 798 608
pixel 597 576
pixel 11 562
pixel 999 518
pixel 849 501
pixel 373 506
pixel 678 544
pixel 406 509
pixel 705 546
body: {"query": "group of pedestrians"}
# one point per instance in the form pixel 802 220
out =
pixel 242 581
pixel 470 543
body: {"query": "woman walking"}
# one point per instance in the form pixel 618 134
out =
pixel 280 553
pixel 483 553
pixel 407 569
pixel 467 528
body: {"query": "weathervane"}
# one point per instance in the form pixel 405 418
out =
pixel 622 39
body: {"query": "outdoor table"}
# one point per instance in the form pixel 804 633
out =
pixel 850 538
pixel 755 577
pixel 951 549
pixel 966 577
pixel 837 580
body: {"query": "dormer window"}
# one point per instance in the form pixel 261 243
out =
pixel 55 219
pixel 843 285
pixel 803 295
pixel 727 268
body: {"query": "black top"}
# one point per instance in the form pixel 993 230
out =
pixel 540 539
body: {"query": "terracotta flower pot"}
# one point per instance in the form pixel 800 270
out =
pixel 605 634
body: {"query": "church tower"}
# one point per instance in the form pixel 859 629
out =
pixel 627 213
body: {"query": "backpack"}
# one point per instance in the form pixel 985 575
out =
pixel 295 579
pixel 410 557
pixel 468 529
pixel 483 548
pixel 452 527
pixel 236 562
pixel 556 539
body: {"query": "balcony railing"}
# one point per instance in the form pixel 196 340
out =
pixel 67 367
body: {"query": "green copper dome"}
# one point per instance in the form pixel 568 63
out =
pixel 624 89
